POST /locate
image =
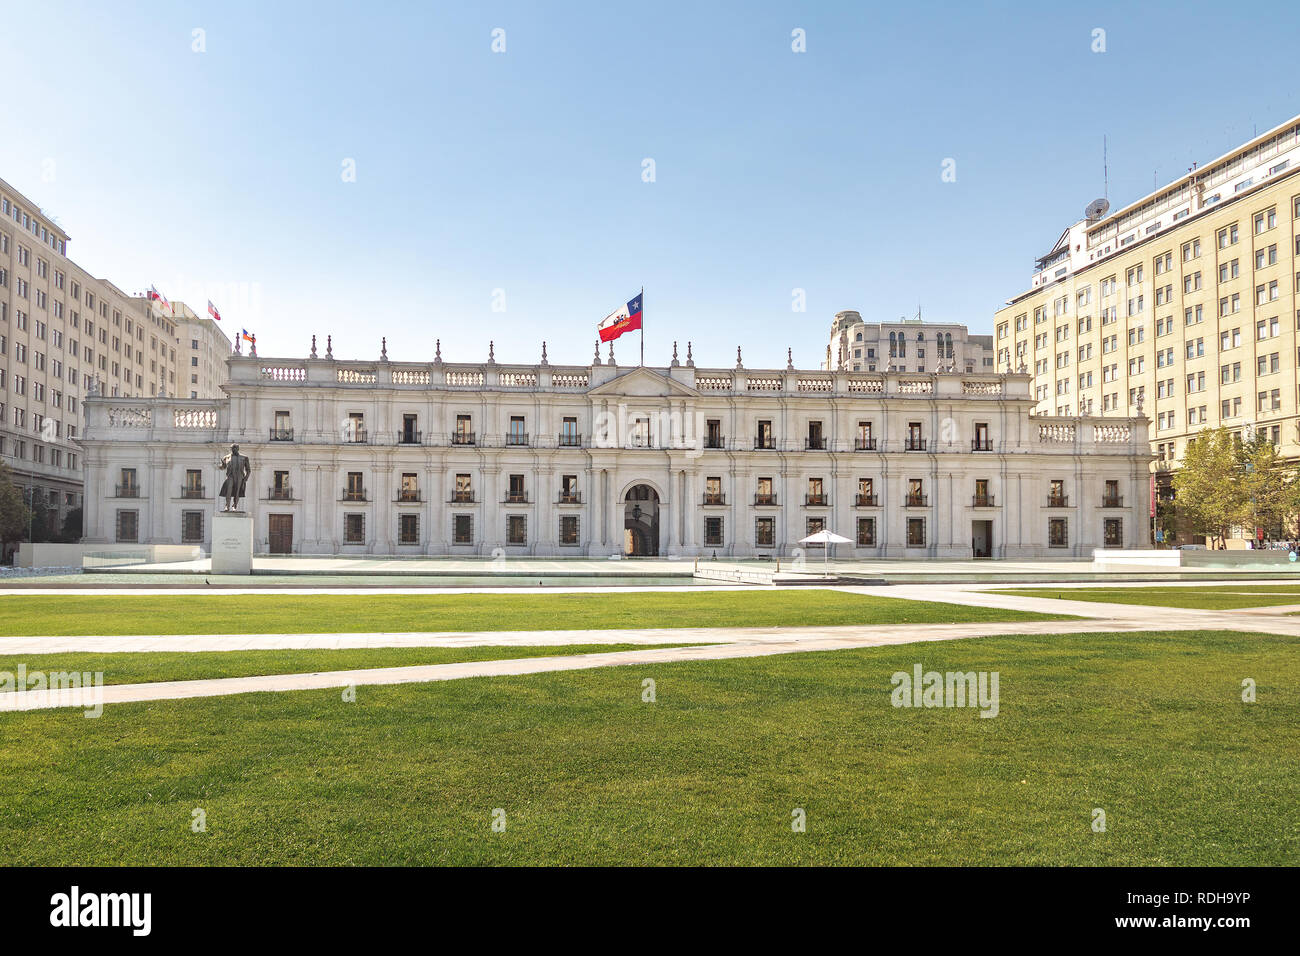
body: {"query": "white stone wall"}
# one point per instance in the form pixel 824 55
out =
pixel 161 439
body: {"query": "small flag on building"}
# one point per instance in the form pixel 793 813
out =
pixel 246 337
pixel 212 311
pixel 156 296
pixel 625 319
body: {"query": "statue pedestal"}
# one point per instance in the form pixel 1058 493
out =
pixel 232 543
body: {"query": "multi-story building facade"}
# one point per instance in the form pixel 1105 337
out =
pixel 63 335
pixel 384 457
pixel 1182 304
pixel 202 350
pixel 908 345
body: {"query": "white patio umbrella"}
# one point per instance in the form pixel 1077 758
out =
pixel 824 538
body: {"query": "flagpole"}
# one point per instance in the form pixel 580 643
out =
pixel 643 326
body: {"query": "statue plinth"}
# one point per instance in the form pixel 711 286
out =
pixel 232 543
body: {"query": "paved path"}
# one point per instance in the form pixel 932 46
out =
pixel 727 643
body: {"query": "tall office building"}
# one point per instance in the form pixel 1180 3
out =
pixel 63 335
pixel 905 345
pixel 1181 303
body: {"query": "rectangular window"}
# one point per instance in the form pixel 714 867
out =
pixel 516 529
pixel 1113 533
pixel 765 532
pixel 713 530
pixel 866 532
pixel 462 529
pixel 355 490
pixel 191 527
pixel 916 532
pixel 354 528
pixel 812 526
pixel 128 527
pixel 569 530
pixel 1058 535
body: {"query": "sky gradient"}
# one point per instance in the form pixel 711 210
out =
pixel 220 172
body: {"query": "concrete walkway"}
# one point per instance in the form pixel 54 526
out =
pixel 726 643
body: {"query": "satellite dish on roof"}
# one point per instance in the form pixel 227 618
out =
pixel 1096 209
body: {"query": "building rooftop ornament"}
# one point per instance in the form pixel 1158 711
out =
pixel 492 353
pixel 437 351
pixel 596 360
pixel 237 351
pixel 329 346
pixel 739 364
pixel 313 346
pixel 383 349
pixel 690 362
pixel 544 362
pixel 675 363
pixel 789 360
pixel 611 353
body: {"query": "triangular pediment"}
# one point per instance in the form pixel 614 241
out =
pixel 642 382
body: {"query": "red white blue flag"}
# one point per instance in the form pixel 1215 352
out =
pixel 624 319
pixel 212 311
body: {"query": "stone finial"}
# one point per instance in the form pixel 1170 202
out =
pixel 162 392
pixel 1141 399
pixel 690 361
pixel 252 349
pixel 313 346
pixel 329 346
pixel 237 348
pixel 596 360
pixel 544 362
pixel 492 352
pixel 437 351
pixel 611 352
pixel 789 360
pixel 738 362
pixel 383 349
pixel 675 363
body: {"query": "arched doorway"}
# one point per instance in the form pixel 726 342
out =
pixel 641 522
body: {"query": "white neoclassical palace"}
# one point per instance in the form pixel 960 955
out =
pixel 417 458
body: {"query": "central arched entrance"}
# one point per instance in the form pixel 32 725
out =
pixel 641 522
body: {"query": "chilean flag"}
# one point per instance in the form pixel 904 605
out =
pixel 212 311
pixel 625 319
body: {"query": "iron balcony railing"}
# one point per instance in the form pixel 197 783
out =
pixel 281 434
pixel 571 498
pixel 764 444
pixel 128 491
pixel 715 442
pixel 864 444
pixel 569 440
pixel 462 438
pixel 405 437
pixel 814 443
pixel 982 501
pixel 818 500
pixel 981 444
pixel 866 501
pixel 1058 501
pixel 358 435
pixel 462 498
pixel 914 444
pixel 189 491
pixel 517 438
pixel 765 499
pixel 520 498
pixel 279 494
pixel 715 498
pixel 353 494
pixel 408 494
pixel 916 501
pixel 1112 501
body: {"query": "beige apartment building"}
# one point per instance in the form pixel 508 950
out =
pixel 65 334
pixel 1181 305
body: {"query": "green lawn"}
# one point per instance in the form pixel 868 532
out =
pixel 1149 727
pixel 147 666
pixel 60 615
pixel 1203 598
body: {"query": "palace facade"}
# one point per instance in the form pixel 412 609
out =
pixel 395 458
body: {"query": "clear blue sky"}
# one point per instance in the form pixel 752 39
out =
pixel 521 171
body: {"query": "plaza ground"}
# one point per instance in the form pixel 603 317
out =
pixel 1129 707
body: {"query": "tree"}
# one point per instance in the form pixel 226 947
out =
pixel 14 515
pixel 1209 487
pixel 1269 489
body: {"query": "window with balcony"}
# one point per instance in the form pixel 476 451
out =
pixel 282 430
pixel 1110 495
pixel 569 437
pixel 1056 494
pixel 764 494
pixel 713 433
pixel 464 433
pixel 713 491
pixel 280 489
pixel 981 441
pixel 515 493
pixel 516 435
pixel 816 492
pixel 914 441
pixel 982 498
pixel 410 433
pixel 193 487
pixel 866 493
pixel 569 494
pixel 128 488
pixel 765 437
pixel 864 441
pixel 464 493
pixel 816 441
pixel 410 487
pixel 355 489
pixel 355 428
pixel 916 493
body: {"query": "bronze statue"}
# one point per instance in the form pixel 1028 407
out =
pixel 237 468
